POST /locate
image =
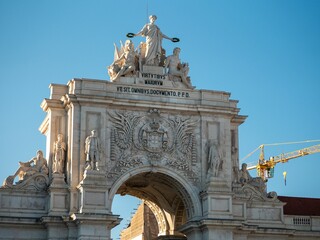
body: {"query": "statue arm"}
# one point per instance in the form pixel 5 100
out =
pixel 166 37
pixel 167 62
pixel 26 164
pixel 86 146
pixel 142 32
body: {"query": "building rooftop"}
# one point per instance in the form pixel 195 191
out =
pixel 301 206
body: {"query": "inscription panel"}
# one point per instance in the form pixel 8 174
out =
pixel 23 202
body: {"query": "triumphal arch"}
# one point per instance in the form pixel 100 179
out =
pixel 146 132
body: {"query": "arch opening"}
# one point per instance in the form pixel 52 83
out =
pixel 164 199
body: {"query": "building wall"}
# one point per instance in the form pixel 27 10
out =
pixel 173 146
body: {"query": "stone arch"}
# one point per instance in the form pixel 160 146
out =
pixel 171 197
pixel 163 223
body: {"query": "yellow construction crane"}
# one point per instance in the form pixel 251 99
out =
pixel 265 168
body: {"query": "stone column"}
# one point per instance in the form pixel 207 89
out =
pixel 73 157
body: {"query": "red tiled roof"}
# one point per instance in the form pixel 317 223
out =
pixel 301 206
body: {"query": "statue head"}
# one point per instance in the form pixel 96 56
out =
pixel 39 152
pixel 60 137
pixel 94 133
pixel 152 18
pixel 39 155
pixel 244 166
pixel 176 50
pixel 129 45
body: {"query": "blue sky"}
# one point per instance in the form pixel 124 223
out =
pixel 265 53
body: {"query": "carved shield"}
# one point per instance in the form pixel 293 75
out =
pixel 154 141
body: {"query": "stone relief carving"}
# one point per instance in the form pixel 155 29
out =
pixel 252 188
pixel 215 159
pixel 32 174
pixel 92 151
pixel 152 139
pixel 59 149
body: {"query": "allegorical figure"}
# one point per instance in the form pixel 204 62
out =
pixel 37 164
pixel 125 63
pixel 176 69
pixel 59 149
pixel 92 151
pixel 215 159
pixel 245 178
pixel 153 41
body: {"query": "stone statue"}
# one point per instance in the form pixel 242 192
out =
pixel 176 69
pixel 154 38
pixel 245 178
pixel 125 62
pixel 37 164
pixel 59 149
pixel 92 150
pixel 215 159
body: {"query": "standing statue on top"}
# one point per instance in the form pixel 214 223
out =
pixel 153 48
pixel 130 62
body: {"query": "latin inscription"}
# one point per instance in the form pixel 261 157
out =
pixel 149 91
pixel 154 76
pixel 153 82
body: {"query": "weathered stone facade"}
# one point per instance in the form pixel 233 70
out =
pixel 155 145
pixel 150 134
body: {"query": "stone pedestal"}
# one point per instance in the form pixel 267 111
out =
pixel 93 193
pixel 59 195
pixel 217 199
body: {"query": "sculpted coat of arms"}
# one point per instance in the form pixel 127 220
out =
pixel 152 139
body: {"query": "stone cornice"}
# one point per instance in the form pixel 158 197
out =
pixel 50 103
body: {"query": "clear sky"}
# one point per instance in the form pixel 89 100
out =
pixel 265 53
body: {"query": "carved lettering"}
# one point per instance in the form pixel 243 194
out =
pixel 148 91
